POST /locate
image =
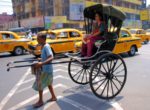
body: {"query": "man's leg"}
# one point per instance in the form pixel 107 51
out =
pixel 52 93
pixel 40 102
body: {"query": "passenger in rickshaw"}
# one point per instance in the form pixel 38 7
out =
pixel 90 39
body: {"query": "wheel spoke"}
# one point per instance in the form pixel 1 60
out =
pixel 104 67
pixel 114 65
pixel 79 75
pixel 104 87
pixel 117 68
pixel 78 72
pixel 111 64
pixel 108 88
pixel 119 71
pixel 115 78
pixel 100 84
pixel 112 88
pixel 108 66
pixel 99 81
pixel 115 85
pixel 86 76
pixel 83 76
pixel 120 75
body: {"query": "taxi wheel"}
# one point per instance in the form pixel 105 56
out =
pixel 146 41
pixel 18 51
pixel 132 51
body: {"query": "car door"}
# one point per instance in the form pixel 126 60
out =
pixel 7 42
pixel 74 37
pixel 61 44
pixel 121 46
pixel 1 43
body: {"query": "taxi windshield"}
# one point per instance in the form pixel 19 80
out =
pixel 148 30
pixel 133 31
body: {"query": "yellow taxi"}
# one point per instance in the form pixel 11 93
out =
pixel 125 44
pixel 148 31
pixel 140 33
pixel 11 42
pixel 60 40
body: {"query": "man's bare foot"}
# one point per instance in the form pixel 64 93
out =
pixel 52 99
pixel 38 104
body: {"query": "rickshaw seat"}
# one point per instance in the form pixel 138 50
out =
pixel 108 43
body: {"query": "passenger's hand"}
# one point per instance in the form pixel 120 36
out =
pixel 38 65
pixel 39 59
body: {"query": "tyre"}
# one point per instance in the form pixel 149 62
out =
pixel 79 73
pixel 132 51
pixel 18 51
pixel 146 41
pixel 108 76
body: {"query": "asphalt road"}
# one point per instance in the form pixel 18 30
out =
pixel 16 91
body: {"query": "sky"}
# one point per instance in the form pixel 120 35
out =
pixel 6 6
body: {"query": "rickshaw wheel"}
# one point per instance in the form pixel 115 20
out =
pixel 78 72
pixel 108 76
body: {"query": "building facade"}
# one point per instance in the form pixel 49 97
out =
pixel 5 18
pixel 25 9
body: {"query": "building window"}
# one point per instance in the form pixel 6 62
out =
pixel 33 13
pixel 50 2
pixel 66 11
pixel 50 11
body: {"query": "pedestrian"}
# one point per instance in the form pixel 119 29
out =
pixel 45 77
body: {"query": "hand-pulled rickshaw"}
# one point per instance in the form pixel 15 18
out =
pixel 105 71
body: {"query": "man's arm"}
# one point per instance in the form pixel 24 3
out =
pixel 49 59
pixel 40 64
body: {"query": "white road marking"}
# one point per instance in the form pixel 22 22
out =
pixel 113 103
pixel 32 79
pixel 116 105
pixel 49 104
pixel 24 89
pixel 29 80
pixel 13 90
pixel 56 77
pixel 33 98
pixel 71 102
pixel 76 104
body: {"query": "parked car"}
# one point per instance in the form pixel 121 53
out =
pixel 140 33
pixel 125 44
pixel 21 31
pixel 60 40
pixel 148 31
pixel 13 43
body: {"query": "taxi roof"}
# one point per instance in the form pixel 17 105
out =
pixel 59 30
pixel 10 32
pixel 64 30
pixel 136 29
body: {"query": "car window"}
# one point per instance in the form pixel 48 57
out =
pixel 51 36
pixel 7 36
pixel 62 35
pixel 124 34
pixel 148 30
pixel 139 32
pixel 74 34
pixel 133 31
pixel 143 32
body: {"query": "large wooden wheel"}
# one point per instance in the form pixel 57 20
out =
pixel 79 72
pixel 108 76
